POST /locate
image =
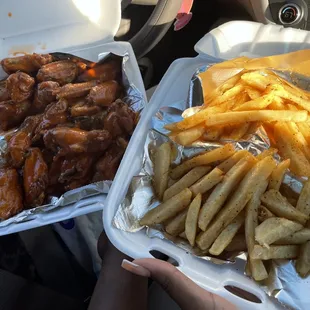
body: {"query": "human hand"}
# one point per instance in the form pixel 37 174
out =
pixel 181 289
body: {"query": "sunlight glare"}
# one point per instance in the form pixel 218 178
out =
pixel 90 8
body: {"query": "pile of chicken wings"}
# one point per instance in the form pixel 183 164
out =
pixel 73 127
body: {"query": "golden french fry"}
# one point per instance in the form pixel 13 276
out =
pixel 237 244
pixel 257 175
pixel 275 252
pixel 188 136
pixel 161 169
pixel 277 104
pixel 303 203
pixel 183 235
pixel 274 229
pixel 252 92
pixel 299 237
pixel 167 209
pixel 247 268
pixel 269 152
pixel 279 205
pixel 212 133
pixel 264 214
pixel 207 182
pixel 170 183
pixel 221 192
pixel 305 130
pixel 237 133
pixel 277 174
pixel 253 128
pixel 226 118
pixel 186 181
pixel 256 104
pixel 289 149
pixel 226 165
pixel 203 160
pixel 228 94
pixel 302 265
pixel 172 127
pixel 227 234
pixel 259 79
pixel 176 225
pixel 191 220
pixel 251 221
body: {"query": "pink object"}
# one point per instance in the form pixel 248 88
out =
pixel 184 15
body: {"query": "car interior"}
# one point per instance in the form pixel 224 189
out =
pixel 55 266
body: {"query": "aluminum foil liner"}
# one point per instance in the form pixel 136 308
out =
pixel 136 101
pixel 283 283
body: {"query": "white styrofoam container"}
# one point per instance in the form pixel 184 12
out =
pixel 227 41
pixel 83 28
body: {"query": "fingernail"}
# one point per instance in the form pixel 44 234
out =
pixel 136 269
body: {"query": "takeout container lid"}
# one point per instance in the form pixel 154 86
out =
pixel 230 40
pixel 43 26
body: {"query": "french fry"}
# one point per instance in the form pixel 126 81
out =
pixel 264 214
pixel 299 237
pixel 207 182
pixel 221 192
pixel 226 118
pixel 274 229
pixel 228 94
pixel 251 221
pixel 279 205
pixel 277 104
pixel 167 209
pixel 303 203
pixel 192 219
pixel 253 128
pixel 256 104
pixel 275 252
pixel 237 133
pixel 277 174
pixel 183 235
pixel 305 130
pixel 269 152
pixel 203 160
pixel 289 149
pixel 257 80
pixel 171 182
pixel 161 169
pixel 247 268
pixel 237 244
pixel 176 225
pixel 257 175
pixel 212 133
pixel 226 165
pixel 227 234
pixel 186 181
pixel 303 261
pixel 252 92
pixel 188 136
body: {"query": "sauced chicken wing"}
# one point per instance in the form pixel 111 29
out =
pixel 91 122
pixel 20 141
pixel 120 120
pixel 64 140
pixel 20 86
pixel 4 93
pixel 104 94
pixel 107 165
pixel 55 114
pixel 10 193
pixel 103 72
pixel 44 95
pixel 26 63
pixel 12 114
pixel 84 109
pixel 35 175
pixel 77 90
pixel 63 72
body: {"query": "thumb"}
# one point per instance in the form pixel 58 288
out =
pixel 184 291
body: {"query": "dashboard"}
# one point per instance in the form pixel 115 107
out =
pixel 289 13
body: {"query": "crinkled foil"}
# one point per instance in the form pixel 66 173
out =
pixel 283 283
pixel 136 101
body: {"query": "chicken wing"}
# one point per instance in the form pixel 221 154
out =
pixel 12 114
pixel 84 109
pixel 104 94
pixel 20 141
pixel 76 90
pixel 44 95
pixel 62 72
pixel 4 93
pixel 103 72
pixel 35 175
pixel 64 140
pixel 20 86
pixel 107 165
pixel 91 122
pixel 10 193
pixel 26 63
pixel 120 120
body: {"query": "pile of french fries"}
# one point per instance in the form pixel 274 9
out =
pixel 246 102
pixel 227 200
